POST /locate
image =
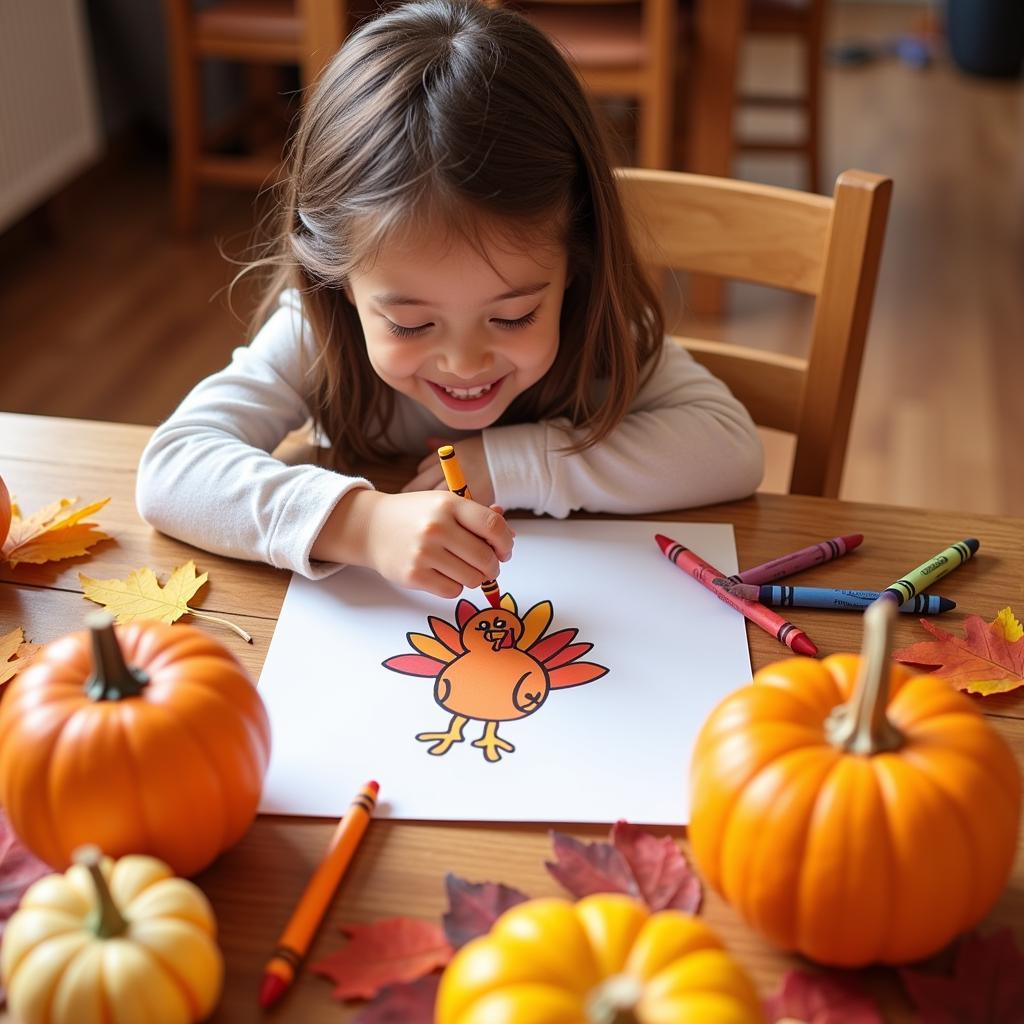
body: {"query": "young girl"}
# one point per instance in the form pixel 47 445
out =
pixel 453 265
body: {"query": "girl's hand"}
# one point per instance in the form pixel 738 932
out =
pixel 427 540
pixel 470 452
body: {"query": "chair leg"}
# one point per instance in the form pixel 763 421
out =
pixel 187 129
pixel 654 138
pixel 186 113
pixel 814 51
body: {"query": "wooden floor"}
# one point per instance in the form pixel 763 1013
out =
pixel 114 319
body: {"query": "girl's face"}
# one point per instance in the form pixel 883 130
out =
pixel 461 332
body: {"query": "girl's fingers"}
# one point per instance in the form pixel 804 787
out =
pixel 477 553
pixel 454 567
pixel 436 583
pixel 501 512
pixel 488 525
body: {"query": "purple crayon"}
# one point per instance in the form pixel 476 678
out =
pixel 797 561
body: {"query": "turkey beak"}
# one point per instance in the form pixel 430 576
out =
pixel 506 640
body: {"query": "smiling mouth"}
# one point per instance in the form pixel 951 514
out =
pixel 467 399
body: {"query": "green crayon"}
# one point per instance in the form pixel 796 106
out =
pixel 934 569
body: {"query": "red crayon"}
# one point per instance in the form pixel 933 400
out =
pixel 797 561
pixel 705 574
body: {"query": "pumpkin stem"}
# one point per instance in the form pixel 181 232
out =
pixel 106 921
pixel 860 726
pixel 111 678
pixel 614 1001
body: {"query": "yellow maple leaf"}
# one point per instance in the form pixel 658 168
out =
pixel 140 596
pixel 1006 622
pixel 15 654
pixel 51 533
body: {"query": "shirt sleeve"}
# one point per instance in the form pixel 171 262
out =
pixel 206 475
pixel 686 441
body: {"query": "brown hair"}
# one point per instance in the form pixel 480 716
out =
pixel 467 111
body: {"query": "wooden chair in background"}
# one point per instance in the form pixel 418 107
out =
pixel 621 48
pixel 826 247
pixel 803 20
pixel 254 32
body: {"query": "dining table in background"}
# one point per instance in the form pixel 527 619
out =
pixel 401 866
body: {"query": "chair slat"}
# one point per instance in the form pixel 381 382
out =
pixel 727 228
pixel 769 384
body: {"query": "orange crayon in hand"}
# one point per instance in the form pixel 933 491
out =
pixel 456 481
pixel 298 933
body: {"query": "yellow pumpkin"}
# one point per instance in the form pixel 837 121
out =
pixel 110 942
pixel 850 823
pixel 604 960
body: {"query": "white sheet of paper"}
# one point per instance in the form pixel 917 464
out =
pixel 616 747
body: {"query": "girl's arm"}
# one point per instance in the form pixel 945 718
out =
pixel 686 441
pixel 206 475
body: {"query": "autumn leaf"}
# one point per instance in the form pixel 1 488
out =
pixel 52 533
pixel 985 987
pixel 406 1003
pixel 822 999
pixel 665 879
pixel 18 870
pixel 474 907
pixel 586 868
pixel 140 596
pixel 395 949
pixel 15 654
pixel 987 660
pixel 634 862
pixel 1007 623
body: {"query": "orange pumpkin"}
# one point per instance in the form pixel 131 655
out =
pixel 5 512
pixel 165 757
pixel 849 824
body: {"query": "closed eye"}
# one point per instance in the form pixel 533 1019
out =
pixel 511 325
pixel 407 332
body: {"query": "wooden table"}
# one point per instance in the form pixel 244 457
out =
pixel 401 866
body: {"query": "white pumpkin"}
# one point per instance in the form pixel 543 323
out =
pixel 112 942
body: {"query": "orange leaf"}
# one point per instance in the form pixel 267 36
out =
pixel 984 661
pixel 13 646
pixel 50 534
pixel 383 953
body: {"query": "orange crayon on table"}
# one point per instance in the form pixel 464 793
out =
pixel 705 574
pixel 456 481
pixel 298 933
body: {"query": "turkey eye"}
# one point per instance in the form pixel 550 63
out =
pixel 482 625
pixel 499 623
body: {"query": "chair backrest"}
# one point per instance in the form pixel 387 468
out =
pixel 826 247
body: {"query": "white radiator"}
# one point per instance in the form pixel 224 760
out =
pixel 49 126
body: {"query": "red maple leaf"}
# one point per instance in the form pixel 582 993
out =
pixel 634 862
pixel 474 907
pixel 405 1003
pixel 391 950
pixel 983 661
pixel 18 870
pixel 986 986
pixel 822 999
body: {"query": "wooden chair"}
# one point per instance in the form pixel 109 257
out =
pixel 621 48
pixel 805 21
pixel 826 247
pixel 256 32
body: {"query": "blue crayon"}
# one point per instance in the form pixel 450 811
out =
pixel 827 597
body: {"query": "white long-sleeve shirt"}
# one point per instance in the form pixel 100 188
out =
pixel 208 478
